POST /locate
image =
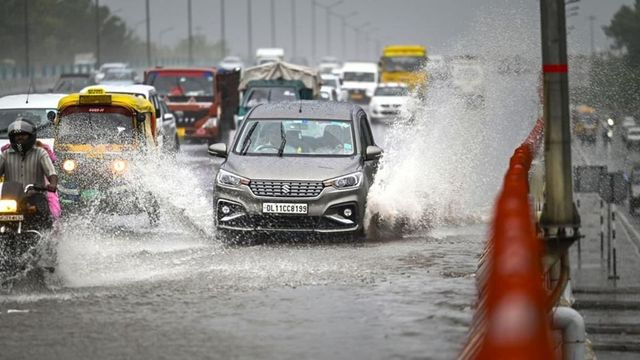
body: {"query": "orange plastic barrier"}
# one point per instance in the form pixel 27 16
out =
pixel 511 319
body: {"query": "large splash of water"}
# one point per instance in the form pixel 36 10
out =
pixel 445 159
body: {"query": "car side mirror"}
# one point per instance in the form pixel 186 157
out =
pixel 141 117
pixel 341 81
pixel 168 117
pixel 218 150
pixel 51 116
pixel 373 153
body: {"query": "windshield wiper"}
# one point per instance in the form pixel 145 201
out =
pixel 247 139
pixel 284 140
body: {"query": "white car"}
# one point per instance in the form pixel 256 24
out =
pixel 333 81
pixel 388 102
pixel 41 109
pixel 119 77
pixel 359 80
pixel 166 131
pixel 106 67
pixel 328 93
pixel 632 137
pixel 231 63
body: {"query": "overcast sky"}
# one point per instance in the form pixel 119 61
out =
pixel 435 23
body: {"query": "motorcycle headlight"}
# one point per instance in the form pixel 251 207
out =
pixel 345 182
pixel 69 165
pixel 8 206
pixel 610 122
pixel 228 179
pixel 119 166
pixel 610 133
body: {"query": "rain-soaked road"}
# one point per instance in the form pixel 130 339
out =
pixel 126 290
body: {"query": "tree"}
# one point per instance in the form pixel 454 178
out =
pixel 625 31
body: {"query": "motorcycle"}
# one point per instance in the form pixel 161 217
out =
pixel 22 224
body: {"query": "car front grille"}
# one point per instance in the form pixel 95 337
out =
pixel 292 189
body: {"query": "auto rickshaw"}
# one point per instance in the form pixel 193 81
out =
pixel 97 136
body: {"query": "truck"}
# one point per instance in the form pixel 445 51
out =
pixel 404 64
pixel 277 81
pixel 359 81
pixel 269 55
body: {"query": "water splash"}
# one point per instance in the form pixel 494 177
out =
pixel 445 159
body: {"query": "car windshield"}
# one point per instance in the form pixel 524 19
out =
pixel 71 84
pixel 259 96
pixel 113 126
pixel 392 91
pixel 183 84
pixel 359 76
pixel 301 138
pixel 403 63
pixel 332 82
pixel 117 75
pixel 37 116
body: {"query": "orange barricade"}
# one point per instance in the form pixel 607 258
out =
pixel 512 319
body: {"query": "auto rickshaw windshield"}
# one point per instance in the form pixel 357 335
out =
pixel 96 128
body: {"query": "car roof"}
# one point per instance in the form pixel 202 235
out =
pixel 305 109
pixel 128 89
pixel 36 101
pixel 360 66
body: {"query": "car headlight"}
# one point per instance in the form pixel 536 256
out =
pixel 119 166
pixel 211 123
pixel 610 133
pixel 345 182
pixel 610 122
pixel 69 165
pixel 8 206
pixel 228 179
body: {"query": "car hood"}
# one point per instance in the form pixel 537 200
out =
pixel 291 168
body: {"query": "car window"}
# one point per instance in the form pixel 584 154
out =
pixel 308 137
pixel 366 137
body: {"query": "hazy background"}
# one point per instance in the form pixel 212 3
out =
pixel 435 23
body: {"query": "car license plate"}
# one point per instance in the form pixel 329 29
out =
pixel 11 217
pixel 284 208
pixel 356 96
pixel 181 131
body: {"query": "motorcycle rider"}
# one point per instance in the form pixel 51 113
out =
pixel 28 164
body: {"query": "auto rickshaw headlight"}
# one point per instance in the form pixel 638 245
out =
pixel 119 166
pixel 8 206
pixel 69 165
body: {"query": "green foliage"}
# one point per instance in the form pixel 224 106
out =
pixel 625 30
pixel 58 29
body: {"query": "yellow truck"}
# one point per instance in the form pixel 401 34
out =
pixel 403 64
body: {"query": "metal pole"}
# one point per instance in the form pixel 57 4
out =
pixel 190 32
pixel 273 23
pixel 593 47
pixel 148 20
pixel 223 41
pixel 328 41
pixel 294 51
pixel 313 31
pixel 98 32
pixel 27 58
pixel 249 32
pixel 559 212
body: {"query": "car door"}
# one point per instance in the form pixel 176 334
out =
pixel 366 139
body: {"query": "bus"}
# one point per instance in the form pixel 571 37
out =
pixel 403 64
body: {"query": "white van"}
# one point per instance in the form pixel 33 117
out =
pixel 359 81
pixel 267 55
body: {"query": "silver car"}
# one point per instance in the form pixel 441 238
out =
pixel 303 166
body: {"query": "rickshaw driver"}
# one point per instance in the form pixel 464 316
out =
pixel 28 164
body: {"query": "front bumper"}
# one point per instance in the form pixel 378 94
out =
pixel 325 211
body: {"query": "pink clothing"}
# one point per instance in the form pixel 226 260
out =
pixel 52 197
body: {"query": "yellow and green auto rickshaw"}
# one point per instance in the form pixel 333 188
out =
pixel 97 136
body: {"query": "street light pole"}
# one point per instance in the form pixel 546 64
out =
pixel 190 32
pixel 273 23
pixel 249 31
pixel 344 31
pixel 293 28
pixel 223 41
pixel 98 32
pixel 313 31
pixel 148 20
pixel 26 38
pixel 559 212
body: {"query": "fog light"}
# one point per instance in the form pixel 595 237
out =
pixel 226 210
pixel 347 212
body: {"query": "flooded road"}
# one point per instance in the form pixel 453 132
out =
pixel 123 288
